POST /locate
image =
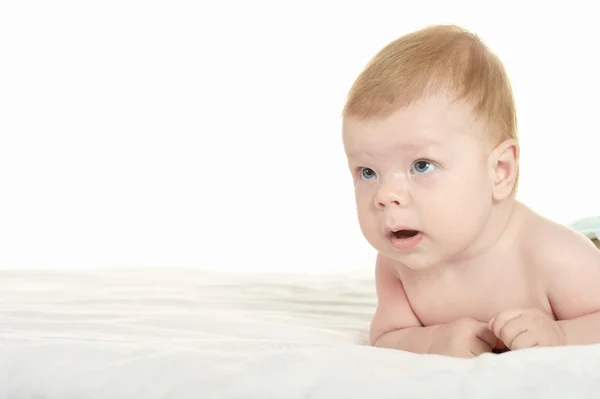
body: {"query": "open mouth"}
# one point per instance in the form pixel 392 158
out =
pixel 406 239
pixel 405 234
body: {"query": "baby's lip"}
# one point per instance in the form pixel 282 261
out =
pixel 393 229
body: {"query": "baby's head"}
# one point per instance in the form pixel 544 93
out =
pixel 430 132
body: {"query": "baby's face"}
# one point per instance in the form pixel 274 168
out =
pixel 422 180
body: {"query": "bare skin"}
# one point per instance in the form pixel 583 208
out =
pixel 451 311
pixel 491 276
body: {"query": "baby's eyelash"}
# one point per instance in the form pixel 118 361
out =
pixel 436 164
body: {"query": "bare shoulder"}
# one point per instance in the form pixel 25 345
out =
pixel 567 264
pixel 551 245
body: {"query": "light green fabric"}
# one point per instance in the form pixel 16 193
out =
pixel 589 226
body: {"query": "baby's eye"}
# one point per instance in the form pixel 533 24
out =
pixel 367 174
pixel 422 167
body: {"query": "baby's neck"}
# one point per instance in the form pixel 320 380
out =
pixel 497 237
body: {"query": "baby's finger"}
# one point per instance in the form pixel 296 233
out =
pixel 501 319
pixel 466 353
pixel 512 330
pixel 487 336
pixel 479 346
pixel 500 345
pixel 525 340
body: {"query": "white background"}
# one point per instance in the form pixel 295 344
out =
pixel 206 134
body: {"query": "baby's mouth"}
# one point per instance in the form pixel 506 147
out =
pixel 405 239
pixel 404 234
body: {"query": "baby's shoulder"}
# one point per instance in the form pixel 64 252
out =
pixel 566 265
pixel 550 246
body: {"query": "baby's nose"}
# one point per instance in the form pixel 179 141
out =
pixel 392 198
pixel 391 202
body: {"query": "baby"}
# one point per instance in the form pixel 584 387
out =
pixel 463 268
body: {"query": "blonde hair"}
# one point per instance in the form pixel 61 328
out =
pixel 433 59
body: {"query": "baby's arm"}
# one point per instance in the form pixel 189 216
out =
pixel 394 324
pixel 574 289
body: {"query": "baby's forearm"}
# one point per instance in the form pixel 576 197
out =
pixel 411 339
pixel 582 330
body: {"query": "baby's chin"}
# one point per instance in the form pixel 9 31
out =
pixel 418 263
pixel 414 260
pixel 421 257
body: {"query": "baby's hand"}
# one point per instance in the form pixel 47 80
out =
pixel 464 337
pixel 526 328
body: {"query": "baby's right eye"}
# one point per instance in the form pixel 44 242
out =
pixel 367 174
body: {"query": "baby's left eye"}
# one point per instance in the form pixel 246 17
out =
pixel 422 167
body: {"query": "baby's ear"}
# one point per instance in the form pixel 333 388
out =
pixel 504 168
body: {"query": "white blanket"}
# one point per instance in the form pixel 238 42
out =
pixel 172 333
